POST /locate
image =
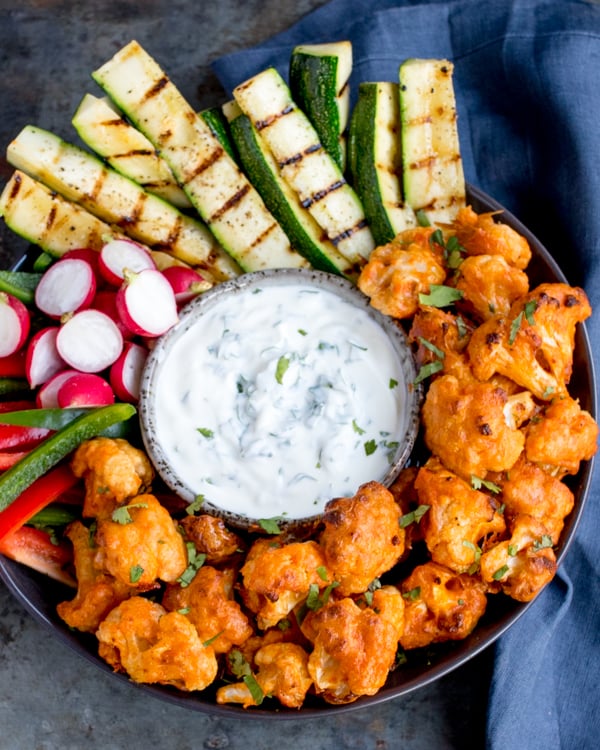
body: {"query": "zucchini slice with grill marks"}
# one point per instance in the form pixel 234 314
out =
pixel 319 82
pixel 305 165
pixel 375 161
pixel 215 185
pixel 432 166
pixel 83 178
pixel 304 232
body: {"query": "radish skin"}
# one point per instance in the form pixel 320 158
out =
pixel 89 341
pixel 69 285
pixel 146 303
pixel 186 283
pixel 15 323
pixel 126 373
pixel 120 256
pixel 106 301
pixel 84 389
pixel 87 254
pixel 42 360
pixel 46 397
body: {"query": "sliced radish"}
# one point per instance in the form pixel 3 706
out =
pixel 84 389
pixel 15 323
pixel 186 283
pixel 106 302
pixel 85 253
pixel 67 286
pixel 89 341
pixel 126 373
pixel 46 397
pixel 119 256
pixel 42 360
pixel 146 303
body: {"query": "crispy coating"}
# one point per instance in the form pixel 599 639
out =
pixel 354 648
pixel 564 436
pixel 440 605
pixel 479 234
pixel 466 426
pixel 97 591
pixel 362 537
pixel 531 491
pixel 144 550
pixel 278 576
pixel 209 604
pixel 406 497
pixel 434 331
pixel 532 345
pixel 490 285
pixel 282 673
pixel 152 645
pixel 211 537
pixel 523 564
pixel 113 471
pixel 458 519
pixel 398 272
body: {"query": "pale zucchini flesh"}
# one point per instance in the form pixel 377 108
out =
pixel 103 128
pixel 305 165
pixel 82 178
pixel 220 192
pixel 432 165
pixel 375 162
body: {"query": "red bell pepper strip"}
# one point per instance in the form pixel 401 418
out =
pixel 14 437
pixel 47 489
pixel 10 458
pixel 34 548
pixel 13 366
pixel 9 406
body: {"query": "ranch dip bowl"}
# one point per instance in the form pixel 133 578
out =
pixel 276 392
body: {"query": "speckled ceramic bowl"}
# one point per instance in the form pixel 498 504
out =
pixel 180 364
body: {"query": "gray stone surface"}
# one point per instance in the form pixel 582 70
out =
pixel 50 697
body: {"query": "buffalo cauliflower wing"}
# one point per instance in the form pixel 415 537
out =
pixel 489 285
pixel 440 337
pixel 212 538
pixel 479 234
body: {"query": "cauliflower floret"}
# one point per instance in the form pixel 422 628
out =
pixel 278 576
pixel 362 537
pixel 398 272
pixel 466 426
pixel 563 437
pixel 152 645
pixel 523 564
pixel 440 605
pixel 458 519
pixel 441 336
pixel 211 537
pixel 479 234
pixel 209 604
pixel 142 546
pixel 489 285
pixel 113 471
pixel 354 648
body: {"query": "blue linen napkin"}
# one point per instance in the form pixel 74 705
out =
pixel 528 96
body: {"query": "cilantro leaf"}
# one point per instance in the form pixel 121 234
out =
pixel 440 296
pixel 282 365
pixel 414 516
pixel 270 525
pixel 122 515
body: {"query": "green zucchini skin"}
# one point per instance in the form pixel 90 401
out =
pixel 217 122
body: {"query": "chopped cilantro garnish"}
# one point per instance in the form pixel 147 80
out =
pixel 370 447
pixel 476 556
pixel 544 541
pixel 135 573
pixel 414 516
pixel 322 572
pixel 195 505
pixel 428 370
pixel 440 296
pixel 210 641
pixel 282 365
pixel 270 525
pixel 500 573
pixel 123 516
pixel 477 483
pixel 413 594
pixel 393 383
pixel 422 219
pixel 195 562
pixel 356 428
pixel 206 432
pixel 432 348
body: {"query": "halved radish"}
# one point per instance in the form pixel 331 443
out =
pixel 85 253
pixel 15 323
pixel 106 302
pixel 119 256
pixel 126 373
pixel 42 360
pixel 84 389
pixel 146 303
pixel 67 286
pixel 89 341
pixel 13 366
pixel 186 283
pixel 46 397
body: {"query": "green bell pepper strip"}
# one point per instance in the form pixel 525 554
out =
pixel 56 419
pixel 21 284
pixel 48 453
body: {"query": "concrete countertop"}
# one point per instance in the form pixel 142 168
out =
pixel 50 697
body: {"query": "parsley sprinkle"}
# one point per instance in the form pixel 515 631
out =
pixel 195 562
pixel 542 543
pixel 432 348
pixel 282 365
pixel 500 573
pixel 422 219
pixel 196 505
pixel 413 594
pixel 370 447
pixel 270 525
pixel 322 572
pixel 122 515
pixel 206 432
pixel 135 573
pixel 393 383
pixel 356 428
pixel 428 370
pixel 414 516
pixel 477 483
pixel 440 296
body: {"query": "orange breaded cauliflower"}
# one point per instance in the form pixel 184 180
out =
pixel 564 436
pixel 354 648
pixel 142 546
pixel 278 576
pixel 440 605
pixel 151 645
pixel 97 591
pixel 529 490
pixel 434 331
pixel 282 673
pixel 211 537
pixel 479 234
pixel 458 519
pixel 113 471
pixel 466 426
pixel 398 272
pixel 532 345
pixel 490 285
pixel 209 605
pixel 523 564
pixel 362 537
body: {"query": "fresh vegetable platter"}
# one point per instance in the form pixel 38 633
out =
pixel 164 203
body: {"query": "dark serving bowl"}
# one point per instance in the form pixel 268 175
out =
pixel 40 595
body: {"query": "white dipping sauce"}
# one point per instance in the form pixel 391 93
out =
pixel 276 400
